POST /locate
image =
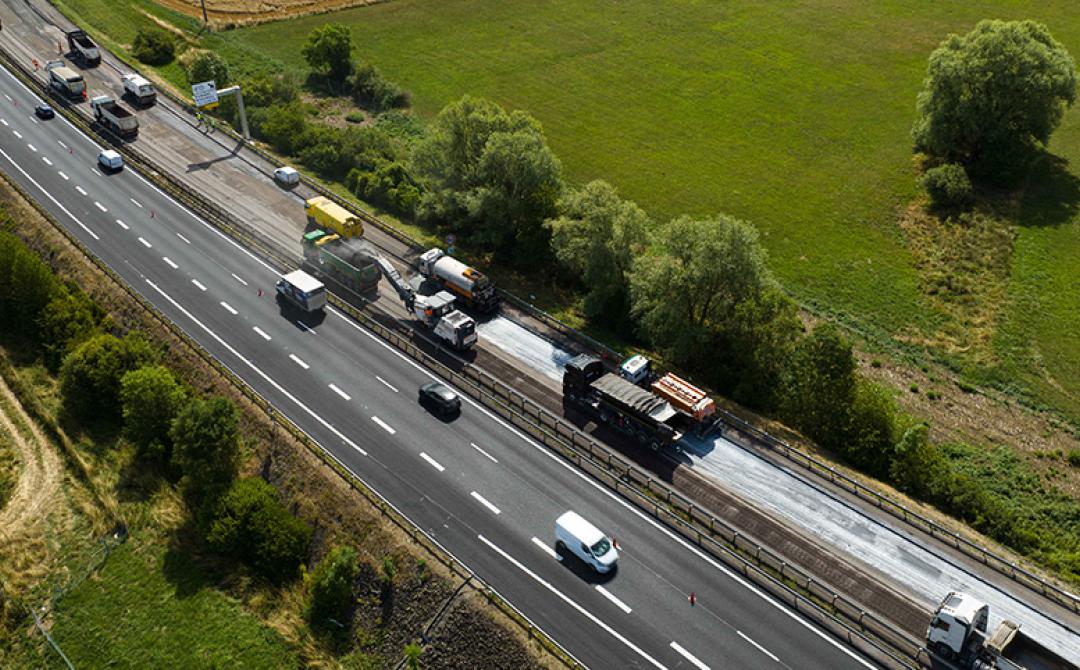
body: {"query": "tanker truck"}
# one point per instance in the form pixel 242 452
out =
pixel 349 263
pixel 473 288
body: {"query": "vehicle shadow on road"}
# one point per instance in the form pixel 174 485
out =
pixel 582 570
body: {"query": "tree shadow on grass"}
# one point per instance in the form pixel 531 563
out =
pixel 1050 195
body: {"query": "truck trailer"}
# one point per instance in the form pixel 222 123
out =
pixel 326 214
pixel 83 48
pixel 65 80
pixel 472 287
pixel 139 89
pixel 113 116
pixel 630 409
pixel 348 262
pixel 958 634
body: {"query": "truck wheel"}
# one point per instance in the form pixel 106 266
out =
pixel 560 547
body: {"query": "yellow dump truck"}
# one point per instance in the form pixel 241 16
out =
pixel 328 215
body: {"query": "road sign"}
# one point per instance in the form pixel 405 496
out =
pixel 205 94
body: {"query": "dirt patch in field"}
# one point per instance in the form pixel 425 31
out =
pixel 245 12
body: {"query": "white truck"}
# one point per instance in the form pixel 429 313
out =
pixel 83 48
pixel 65 80
pixel 957 633
pixel 110 114
pixel 139 89
pixel 473 287
pixel 302 290
pixel 436 312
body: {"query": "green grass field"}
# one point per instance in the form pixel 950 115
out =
pixel 793 116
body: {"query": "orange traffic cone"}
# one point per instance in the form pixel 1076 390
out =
pixel 692 599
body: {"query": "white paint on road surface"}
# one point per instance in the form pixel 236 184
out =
pixel 184 239
pixel 100 206
pixel 4 121
pixel 229 308
pixel 239 279
pixel 386 384
pixel 484 501
pixel 32 147
pixel 49 195
pixel 135 202
pixel 17 134
pixel 80 190
pixel 584 612
pixel 385 426
pixel 473 445
pixel 61 173
pixel 261 333
pixel 296 359
pixel 198 284
pixel 547 548
pixel 431 461
pixel 338 391
pixel 759 647
pixel 61 143
pixel 145 243
pixel 611 596
pixel 168 261
pixel 526 346
pixel 122 224
pixel 47 161
pixel 688 656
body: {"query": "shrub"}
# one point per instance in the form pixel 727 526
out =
pixel 355 116
pixel 250 524
pixel 390 185
pixel 69 319
pixel 330 586
pixel 206 447
pixel 1074 458
pixel 150 398
pixel 90 375
pixel 948 185
pixel 283 125
pixel 154 46
pixel 29 284
pixel 208 66
pixel 370 89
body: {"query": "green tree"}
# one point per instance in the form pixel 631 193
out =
pixel 69 319
pixel 596 239
pixel 870 439
pixel 820 387
pixel 29 284
pixel 330 586
pixel 283 126
pixel 90 375
pixel 992 98
pixel 151 398
pixel 947 185
pixel 208 66
pixel 251 524
pixel 372 90
pixel 154 46
pixel 328 51
pixel 918 465
pixel 206 447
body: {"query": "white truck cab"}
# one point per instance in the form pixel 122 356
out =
pixel 110 160
pixel 573 533
pixel 302 290
pixel 958 617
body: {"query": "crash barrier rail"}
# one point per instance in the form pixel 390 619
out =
pixel 992 560
pixel 600 462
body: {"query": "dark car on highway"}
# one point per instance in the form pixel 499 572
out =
pixel 44 112
pixel 440 398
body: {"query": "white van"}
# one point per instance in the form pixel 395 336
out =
pixel 585 541
pixel 302 290
pixel 287 176
pixel 110 160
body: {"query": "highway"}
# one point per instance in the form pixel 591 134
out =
pixel 487 493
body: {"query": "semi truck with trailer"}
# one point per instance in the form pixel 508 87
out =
pixel 83 48
pixel 473 288
pixel 113 116
pixel 683 395
pixel 139 89
pixel 350 263
pixel 958 634
pixel 65 80
pixel 324 213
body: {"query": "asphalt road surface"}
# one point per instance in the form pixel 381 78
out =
pixel 487 493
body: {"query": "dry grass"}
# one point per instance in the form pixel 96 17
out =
pixel 249 12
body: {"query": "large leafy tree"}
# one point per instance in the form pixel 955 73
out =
pixel 820 386
pixel 90 375
pixel 328 50
pixel 992 98
pixel 206 447
pixel 596 239
pixel 151 398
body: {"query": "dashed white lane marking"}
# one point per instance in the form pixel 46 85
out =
pixel 183 238
pixel 239 280
pixel 548 549
pixel 17 134
pixel 386 384
pixel 688 656
pixel 759 647
pixel 338 391
pixel 566 599
pixel 48 195
pixel 8 97
pixel 229 308
pixel 261 333
pixel 145 243
pixel 47 161
pixel 61 173
pixel 100 206
pixel 473 444
pixel 298 361
pixel 198 284
pixel 483 501
pixel 35 120
pixel 32 147
pixel 169 262
pixel 611 596
pixel 122 224
pixel 80 190
pixel 135 202
pixel 94 170
pixel 385 426
pixel 305 327
pixel 4 121
pixel 61 143
pixel 432 462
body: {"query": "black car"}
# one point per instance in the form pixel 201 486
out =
pixel 44 112
pixel 440 398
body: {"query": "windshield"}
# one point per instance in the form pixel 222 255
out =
pixel 468 328
pixel 600 548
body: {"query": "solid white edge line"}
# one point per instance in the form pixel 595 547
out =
pixel 337 433
pixel 473 445
pixel 169 262
pixel 229 308
pixel 296 359
pixel 485 502
pixel 566 599
pixel 49 195
pixel 613 598
pixel 198 284
pixel 434 463
pixel 688 656
pixel 261 332
pixel 239 279
pixel 386 384
pixel 759 647
pixel 548 549
pixel 338 391
pixel 385 426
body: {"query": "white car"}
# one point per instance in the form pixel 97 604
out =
pixel 287 176
pixel 110 160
